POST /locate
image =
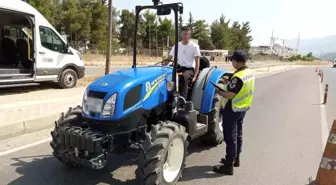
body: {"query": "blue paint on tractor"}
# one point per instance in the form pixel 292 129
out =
pixel 153 82
pixel 209 91
pixel 121 82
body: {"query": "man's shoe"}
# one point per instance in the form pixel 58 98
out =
pixel 226 169
pixel 235 164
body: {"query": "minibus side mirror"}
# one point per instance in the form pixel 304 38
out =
pixel 67 48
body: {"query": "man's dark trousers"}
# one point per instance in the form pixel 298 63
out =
pixel 233 133
pixel 185 82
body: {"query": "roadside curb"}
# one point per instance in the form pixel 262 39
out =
pixel 27 126
pixel 47 122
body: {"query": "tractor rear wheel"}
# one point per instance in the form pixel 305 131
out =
pixel 72 118
pixel 215 134
pixel 165 151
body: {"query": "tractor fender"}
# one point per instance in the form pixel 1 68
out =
pixel 209 90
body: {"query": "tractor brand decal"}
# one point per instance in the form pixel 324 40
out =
pixel 104 84
pixel 150 87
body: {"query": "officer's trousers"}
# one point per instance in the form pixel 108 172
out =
pixel 233 133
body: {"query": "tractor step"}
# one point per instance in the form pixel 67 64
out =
pixel 201 127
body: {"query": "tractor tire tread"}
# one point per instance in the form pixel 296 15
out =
pixel 71 117
pixel 156 143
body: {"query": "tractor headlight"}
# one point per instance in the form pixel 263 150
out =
pixel 85 97
pixel 109 106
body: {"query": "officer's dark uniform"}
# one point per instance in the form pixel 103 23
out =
pixel 233 120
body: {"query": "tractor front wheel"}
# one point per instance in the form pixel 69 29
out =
pixel 165 151
pixel 72 118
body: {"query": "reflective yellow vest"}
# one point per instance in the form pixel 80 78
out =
pixel 242 101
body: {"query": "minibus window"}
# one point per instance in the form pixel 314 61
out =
pixel 50 40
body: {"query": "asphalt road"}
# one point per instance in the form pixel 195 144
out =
pixel 100 70
pixel 282 145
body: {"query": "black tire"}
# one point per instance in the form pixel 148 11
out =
pixel 68 79
pixel 156 145
pixel 215 135
pixel 72 118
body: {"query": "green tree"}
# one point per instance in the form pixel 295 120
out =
pixel 98 25
pixel 127 22
pixel 220 33
pixel 246 38
pixel 310 55
pixel 151 25
pixel 165 30
pixel 202 34
pixel 180 22
pixel 47 8
pixel 191 22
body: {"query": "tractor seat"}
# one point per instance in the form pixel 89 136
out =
pixel 204 64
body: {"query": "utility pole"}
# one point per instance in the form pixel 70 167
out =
pixel 272 41
pixel 163 46
pixel 150 41
pixel 109 39
pixel 298 44
pixel 282 48
pixel 168 41
pixel 156 40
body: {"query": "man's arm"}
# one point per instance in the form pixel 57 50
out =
pixel 170 56
pixel 197 56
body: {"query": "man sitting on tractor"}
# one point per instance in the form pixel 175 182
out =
pixel 189 60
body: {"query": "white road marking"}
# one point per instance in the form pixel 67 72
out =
pixel 49 139
pixel 324 125
pixel 24 147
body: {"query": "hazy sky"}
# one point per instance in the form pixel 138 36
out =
pixel 312 18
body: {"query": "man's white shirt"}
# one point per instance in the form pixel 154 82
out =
pixel 187 54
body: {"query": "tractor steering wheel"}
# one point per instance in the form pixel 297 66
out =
pixel 163 63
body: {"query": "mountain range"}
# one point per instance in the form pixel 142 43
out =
pixel 324 47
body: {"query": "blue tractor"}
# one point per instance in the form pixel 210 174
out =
pixel 140 108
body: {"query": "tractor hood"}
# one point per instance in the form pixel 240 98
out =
pixel 122 92
pixel 129 77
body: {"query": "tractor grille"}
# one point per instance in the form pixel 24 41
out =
pixel 97 94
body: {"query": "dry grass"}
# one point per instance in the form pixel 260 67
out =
pixel 100 60
pixel 86 81
pixel 316 62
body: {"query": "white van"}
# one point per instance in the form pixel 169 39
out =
pixel 32 51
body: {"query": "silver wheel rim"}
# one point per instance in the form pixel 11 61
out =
pixel 69 79
pixel 220 122
pixel 174 160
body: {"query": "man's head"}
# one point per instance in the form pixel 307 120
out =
pixel 185 34
pixel 238 59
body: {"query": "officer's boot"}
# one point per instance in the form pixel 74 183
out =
pixel 236 161
pixel 226 169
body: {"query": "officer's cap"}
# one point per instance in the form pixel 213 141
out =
pixel 239 56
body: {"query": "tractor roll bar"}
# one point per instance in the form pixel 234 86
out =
pixel 177 8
